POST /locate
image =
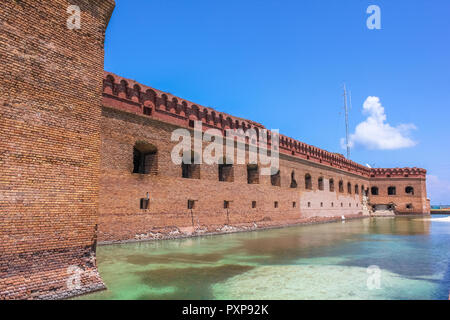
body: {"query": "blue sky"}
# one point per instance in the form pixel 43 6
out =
pixel 283 64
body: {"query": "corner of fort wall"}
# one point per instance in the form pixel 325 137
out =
pixel 50 110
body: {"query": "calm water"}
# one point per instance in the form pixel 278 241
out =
pixel 327 261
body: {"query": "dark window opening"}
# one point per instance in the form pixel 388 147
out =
pixel 331 185
pixel 226 172
pixel 409 206
pixel 392 191
pixel 342 205
pixel 253 204
pixel 189 169
pixel 191 123
pixel 144 203
pixel 275 179
pixel 356 189
pixel 275 204
pixel 308 182
pixel 252 174
pixel 409 190
pixel 226 204
pixel 294 204
pixel 320 182
pixel 147 111
pixel 309 204
pixel 191 204
pixel 145 158
pixel 374 191
pixel 332 204
pixel 349 188
pixel 341 186
pixel 321 204
pixel 293 181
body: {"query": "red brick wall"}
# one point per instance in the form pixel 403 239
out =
pixel 50 96
pixel 125 122
pixel 401 199
pixel 168 215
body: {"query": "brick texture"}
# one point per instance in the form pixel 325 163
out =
pixel 50 98
pixel 134 113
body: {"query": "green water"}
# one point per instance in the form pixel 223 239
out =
pixel 327 261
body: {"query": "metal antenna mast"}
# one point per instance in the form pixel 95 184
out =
pixel 346 122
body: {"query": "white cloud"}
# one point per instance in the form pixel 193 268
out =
pixel 376 133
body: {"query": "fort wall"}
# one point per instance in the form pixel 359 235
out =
pixel 402 188
pixel 50 98
pixel 168 215
pixel 134 113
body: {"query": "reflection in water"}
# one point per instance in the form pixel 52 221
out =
pixel 326 261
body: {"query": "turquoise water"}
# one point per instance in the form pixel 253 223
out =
pixel 326 261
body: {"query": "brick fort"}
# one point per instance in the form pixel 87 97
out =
pixel 85 158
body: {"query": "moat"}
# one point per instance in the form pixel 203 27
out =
pixel 324 261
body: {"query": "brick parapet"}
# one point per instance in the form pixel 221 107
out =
pixel 129 95
pixel 379 173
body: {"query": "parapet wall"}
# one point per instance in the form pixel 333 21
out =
pixel 50 98
pixel 134 97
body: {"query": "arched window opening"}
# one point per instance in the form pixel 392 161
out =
pixel 409 190
pixel 190 169
pixel 320 183
pixel 374 191
pixel 145 158
pixel 331 185
pixel 349 188
pixel 293 181
pixel 356 189
pixel 341 186
pixel 392 191
pixel 308 182
pixel 252 174
pixel 275 179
